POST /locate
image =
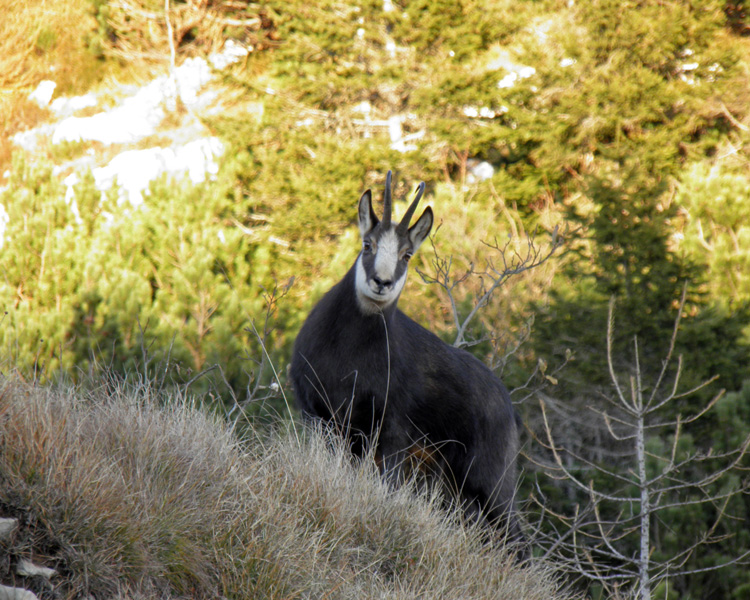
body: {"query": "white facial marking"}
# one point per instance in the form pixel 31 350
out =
pixel 366 304
pixel 370 297
pixel 387 257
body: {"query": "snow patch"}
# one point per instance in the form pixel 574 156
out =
pixel 67 106
pixel 231 53
pixel 133 170
pixel 520 72
pixel 42 95
pixel 484 112
pixel 137 116
pixel 400 142
pixel 479 171
pixel 363 107
pixel 3 225
pixel 501 59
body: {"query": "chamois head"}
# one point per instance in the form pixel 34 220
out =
pixel 386 250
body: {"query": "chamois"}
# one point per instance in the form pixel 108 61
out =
pixel 389 384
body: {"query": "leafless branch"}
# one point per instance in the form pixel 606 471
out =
pixel 602 544
pixel 510 260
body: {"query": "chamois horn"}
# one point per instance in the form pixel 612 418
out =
pixel 387 201
pixel 403 226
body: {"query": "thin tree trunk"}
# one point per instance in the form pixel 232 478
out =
pixel 644 591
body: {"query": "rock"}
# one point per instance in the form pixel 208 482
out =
pixel 7 526
pixel 26 568
pixel 11 593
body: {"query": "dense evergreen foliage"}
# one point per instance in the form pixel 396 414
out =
pixel 626 122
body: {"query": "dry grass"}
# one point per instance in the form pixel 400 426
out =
pixel 130 495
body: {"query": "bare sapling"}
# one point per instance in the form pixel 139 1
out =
pixel 611 539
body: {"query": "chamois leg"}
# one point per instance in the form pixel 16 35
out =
pixel 392 445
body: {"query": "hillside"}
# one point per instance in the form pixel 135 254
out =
pixel 178 186
pixel 127 493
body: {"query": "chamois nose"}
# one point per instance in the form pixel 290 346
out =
pixel 381 283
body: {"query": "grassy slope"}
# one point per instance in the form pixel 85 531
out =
pixel 130 495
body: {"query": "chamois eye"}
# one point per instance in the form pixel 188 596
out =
pixel 407 255
pixel 367 246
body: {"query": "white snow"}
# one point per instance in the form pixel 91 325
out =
pixel 136 118
pixel 479 171
pixel 395 131
pixel 363 107
pixel 3 224
pixel 521 72
pixel 138 115
pixel 399 141
pixel 502 59
pixel 65 106
pixel 133 170
pixel 231 53
pixel 43 92
pixel 483 112
pixel 141 114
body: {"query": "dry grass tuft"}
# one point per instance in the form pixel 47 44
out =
pixel 129 495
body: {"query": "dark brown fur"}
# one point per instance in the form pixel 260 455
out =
pixel 387 383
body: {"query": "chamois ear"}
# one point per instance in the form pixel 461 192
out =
pixel 421 229
pixel 367 218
